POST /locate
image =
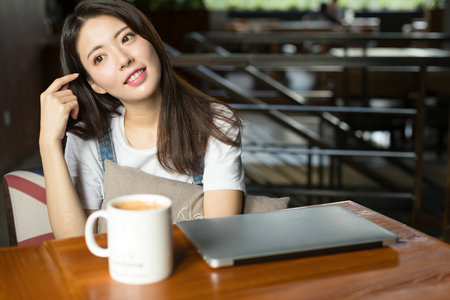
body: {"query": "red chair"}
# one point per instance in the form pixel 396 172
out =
pixel 26 207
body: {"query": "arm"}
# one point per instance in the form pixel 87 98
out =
pixel 67 217
pixel 223 177
pixel 66 214
pixel 222 203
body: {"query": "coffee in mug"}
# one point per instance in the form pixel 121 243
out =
pixel 137 205
pixel 139 234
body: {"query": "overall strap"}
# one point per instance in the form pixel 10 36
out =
pixel 105 148
pixel 198 177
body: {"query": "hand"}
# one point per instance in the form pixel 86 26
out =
pixel 57 103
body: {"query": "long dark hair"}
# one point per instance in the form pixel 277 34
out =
pixel 186 119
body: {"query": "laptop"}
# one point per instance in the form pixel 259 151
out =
pixel 239 239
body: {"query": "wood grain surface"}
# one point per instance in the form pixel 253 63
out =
pixel 28 272
pixel 417 266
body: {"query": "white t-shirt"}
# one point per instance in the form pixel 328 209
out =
pixel 222 163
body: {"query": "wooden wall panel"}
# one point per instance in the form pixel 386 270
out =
pixel 23 58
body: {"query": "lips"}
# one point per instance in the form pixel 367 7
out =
pixel 134 76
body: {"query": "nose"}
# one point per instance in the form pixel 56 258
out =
pixel 124 58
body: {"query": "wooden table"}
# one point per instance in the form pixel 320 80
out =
pixel 29 272
pixel 416 268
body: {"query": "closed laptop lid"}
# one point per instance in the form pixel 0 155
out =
pixel 292 232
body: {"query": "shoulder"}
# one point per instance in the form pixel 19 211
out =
pixel 226 119
pixel 223 114
pixel 222 109
pixel 75 141
pixel 79 149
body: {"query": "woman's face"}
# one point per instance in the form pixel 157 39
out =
pixel 119 61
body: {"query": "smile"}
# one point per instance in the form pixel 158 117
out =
pixel 135 77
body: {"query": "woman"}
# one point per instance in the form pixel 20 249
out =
pixel 119 80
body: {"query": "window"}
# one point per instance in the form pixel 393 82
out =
pixel 315 4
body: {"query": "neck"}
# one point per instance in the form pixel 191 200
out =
pixel 144 113
pixel 141 122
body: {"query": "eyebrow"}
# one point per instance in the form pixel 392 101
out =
pixel 100 46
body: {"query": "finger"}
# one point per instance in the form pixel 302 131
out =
pixel 60 82
pixel 63 93
pixel 67 99
pixel 75 108
pixel 69 107
pixel 74 112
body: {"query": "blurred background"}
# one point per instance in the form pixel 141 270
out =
pixel 344 99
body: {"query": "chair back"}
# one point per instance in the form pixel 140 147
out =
pixel 26 207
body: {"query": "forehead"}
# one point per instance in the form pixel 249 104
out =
pixel 98 30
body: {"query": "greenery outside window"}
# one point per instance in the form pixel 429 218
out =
pixel 315 4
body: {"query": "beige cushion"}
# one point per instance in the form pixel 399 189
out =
pixel 187 199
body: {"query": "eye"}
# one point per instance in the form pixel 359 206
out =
pixel 127 37
pixel 99 59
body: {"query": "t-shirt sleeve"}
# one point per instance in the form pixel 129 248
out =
pixel 223 165
pixel 85 171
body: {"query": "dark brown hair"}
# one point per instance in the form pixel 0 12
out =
pixel 186 119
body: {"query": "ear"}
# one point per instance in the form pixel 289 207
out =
pixel 97 88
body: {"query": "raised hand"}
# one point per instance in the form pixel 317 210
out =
pixel 57 104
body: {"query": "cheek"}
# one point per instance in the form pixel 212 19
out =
pixel 104 77
pixel 157 64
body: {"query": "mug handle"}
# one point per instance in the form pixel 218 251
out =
pixel 89 234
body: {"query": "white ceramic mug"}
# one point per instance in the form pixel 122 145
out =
pixel 140 247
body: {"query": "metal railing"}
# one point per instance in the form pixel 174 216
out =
pixel 203 65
